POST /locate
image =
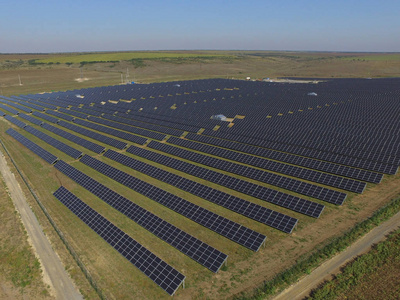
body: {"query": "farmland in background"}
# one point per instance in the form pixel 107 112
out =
pixel 246 270
pixel 36 73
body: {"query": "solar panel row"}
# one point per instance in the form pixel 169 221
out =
pixel 152 266
pixel 47 156
pixel 147 133
pixel 290 184
pixel 55 143
pixel 75 139
pixel 73 113
pixel 60 115
pixel 20 107
pixel 313 153
pixel 15 121
pixel 291 159
pixel 117 133
pixel 307 174
pixel 45 117
pixel 227 228
pixel 256 212
pixel 9 109
pixel 31 119
pixel 94 135
pixel 125 120
pixel 204 254
pixel 297 204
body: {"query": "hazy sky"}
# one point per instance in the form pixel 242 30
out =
pixel 70 25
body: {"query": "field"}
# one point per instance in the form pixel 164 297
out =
pixel 20 273
pixel 246 271
pixel 55 74
pixel 116 57
pixel 373 275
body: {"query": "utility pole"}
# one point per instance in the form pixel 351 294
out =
pixel 127 75
pixel 81 72
pixel 19 77
pixel 122 78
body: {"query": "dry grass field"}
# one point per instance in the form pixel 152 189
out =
pixel 53 75
pixel 20 273
pixel 246 270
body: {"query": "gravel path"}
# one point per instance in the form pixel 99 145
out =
pixel 54 274
pixel 303 287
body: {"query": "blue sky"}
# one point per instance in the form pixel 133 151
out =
pixel 66 26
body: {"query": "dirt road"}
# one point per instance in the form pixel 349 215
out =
pixel 303 287
pixel 54 274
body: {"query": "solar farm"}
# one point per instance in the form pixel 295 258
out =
pixel 195 188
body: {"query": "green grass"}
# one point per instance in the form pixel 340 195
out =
pixel 18 264
pixel 120 56
pixel 383 258
pixel 377 57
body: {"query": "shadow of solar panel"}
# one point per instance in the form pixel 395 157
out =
pixel 294 171
pixel 55 143
pixel 94 135
pixel 45 117
pixel 47 156
pixel 15 121
pixel 152 266
pixel 31 119
pixel 290 184
pixel 223 226
pixel 114 132
pixel 287 201
pixel 291 159
pixel 256 212
pixel 200 252
pixel 75 139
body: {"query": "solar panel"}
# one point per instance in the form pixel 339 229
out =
pixel 20 107
pixel 135 130
pixel 121 134
pixel 290 184
pixel 34 106
pixel 291 159
pixel 55 143
pixel 60 115
pixel 31 119
pixel 9 109
pixel 124 119
pixel 47 156
pixel 45 117
pixel 200 252
pixel 165 276
pixel 256 212
pixel 274 166
pixel 15 121
pixel 94 135
pixel 223 226
pixel 73 113
pixel 75 139
pixel 297 204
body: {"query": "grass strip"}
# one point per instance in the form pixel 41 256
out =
pixel 355 272
pixel 304 265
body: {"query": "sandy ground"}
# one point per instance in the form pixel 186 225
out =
pixel 54 274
